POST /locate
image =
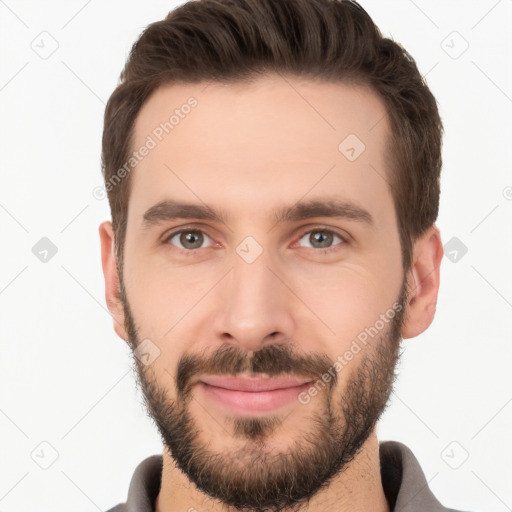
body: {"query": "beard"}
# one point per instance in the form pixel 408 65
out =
pixel 256 477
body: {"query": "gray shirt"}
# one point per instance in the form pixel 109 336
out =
pixel 403 480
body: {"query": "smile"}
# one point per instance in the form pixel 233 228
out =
pixel 248 396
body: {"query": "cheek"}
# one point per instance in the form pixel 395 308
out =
pixel 162 297
pixel 343 302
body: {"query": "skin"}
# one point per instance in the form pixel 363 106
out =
pixel 247 150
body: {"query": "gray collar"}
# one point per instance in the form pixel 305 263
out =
pixel 403 480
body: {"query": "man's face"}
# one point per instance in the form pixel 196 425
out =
pixel 256 295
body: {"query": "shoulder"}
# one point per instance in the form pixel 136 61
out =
pixel 118 508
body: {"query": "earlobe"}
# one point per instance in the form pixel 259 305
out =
pixel 111 276
pixel 424 279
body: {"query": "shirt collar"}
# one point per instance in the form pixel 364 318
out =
pixel 403 480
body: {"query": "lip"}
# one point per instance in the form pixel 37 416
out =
pixel 252 396
pixel 254 384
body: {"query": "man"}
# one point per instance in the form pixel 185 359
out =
pixel 273 176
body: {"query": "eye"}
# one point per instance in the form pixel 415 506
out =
pixel 321 239
pixel 190 239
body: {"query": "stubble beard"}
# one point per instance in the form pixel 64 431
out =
pixel 255 477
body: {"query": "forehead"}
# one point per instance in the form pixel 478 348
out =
pixel 251 145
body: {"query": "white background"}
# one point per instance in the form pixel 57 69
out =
pixel 65 377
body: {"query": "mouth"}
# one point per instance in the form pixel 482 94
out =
pixel 252 395
pixel 254 384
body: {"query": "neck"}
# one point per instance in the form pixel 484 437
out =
pixel 357 488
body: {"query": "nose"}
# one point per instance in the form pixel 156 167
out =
pixel 256 307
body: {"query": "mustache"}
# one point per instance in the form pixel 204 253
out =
pixel 277 359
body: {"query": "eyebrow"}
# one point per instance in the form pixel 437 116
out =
pixel 169 209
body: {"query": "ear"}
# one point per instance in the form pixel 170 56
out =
pixel 423 278
pixel 111 275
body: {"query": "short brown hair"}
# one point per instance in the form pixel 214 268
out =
pixel 239 40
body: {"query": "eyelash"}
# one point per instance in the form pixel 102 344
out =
pixel 191 252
